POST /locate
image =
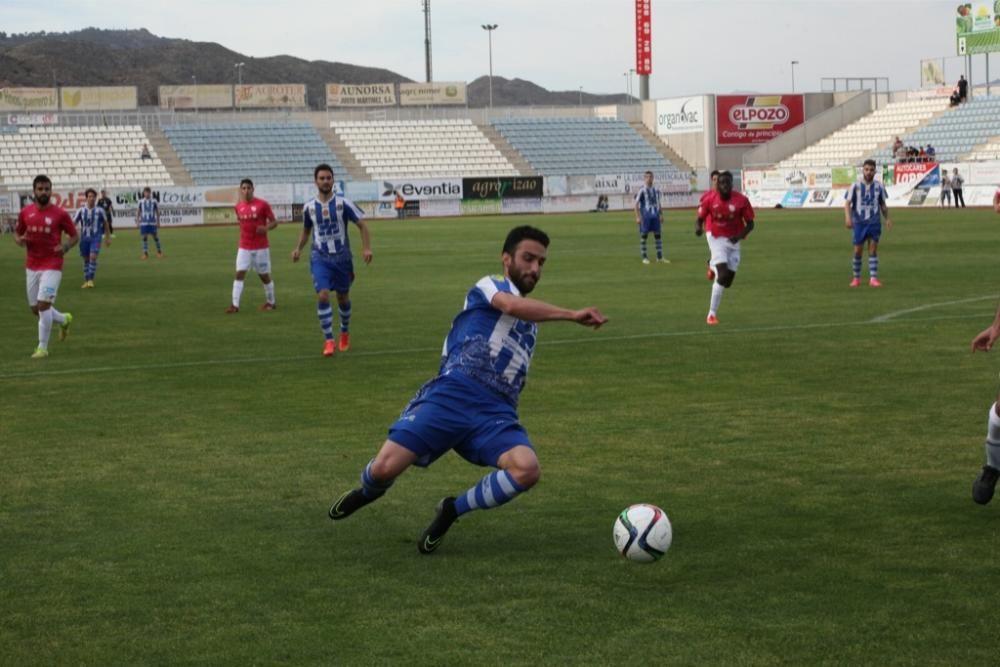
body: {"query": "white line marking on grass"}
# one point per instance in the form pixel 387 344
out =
pixel 596 338
pixel 929 306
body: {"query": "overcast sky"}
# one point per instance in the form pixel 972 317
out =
pixel 698 45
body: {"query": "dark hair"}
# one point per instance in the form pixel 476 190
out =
pixel 246 181
pixel 41 178
pixel 647 173
pixel 727 174
pixel 90 191
pixel 146 189
pixel 322 167
pixel 869 161
pixel 715 172
pixel 521 233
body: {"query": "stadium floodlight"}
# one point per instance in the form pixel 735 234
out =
pixel 794 63
pixel 239 81
pixel 489 28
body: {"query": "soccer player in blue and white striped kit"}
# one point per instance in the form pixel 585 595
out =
pixel 471 406
pixel 147 216
pixel 92 222
pixel 864 204
pixel 649 217
pixel 325 219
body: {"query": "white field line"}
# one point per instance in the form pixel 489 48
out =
pixel 595 338
pixel 929 306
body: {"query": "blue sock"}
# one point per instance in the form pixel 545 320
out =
pixel 325 313
pixel 93 269
pixel 86 270
pixel 857 267
pixel 371 487
pixel 156 237
pixel 345 315
pixel 494 490
pixel 873 266
pixel 642 246
pixel 659 246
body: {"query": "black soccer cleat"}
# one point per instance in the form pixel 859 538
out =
pixel 348 504
pixel 985 484
pixel 446 515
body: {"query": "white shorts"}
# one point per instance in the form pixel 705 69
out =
pixel 42 285
pixel 258 260
pixel 723 251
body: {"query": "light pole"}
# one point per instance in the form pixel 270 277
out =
pixel 631 90
pixel 794 63
pixel 581 96
pixel 489 28
pixel 239 82
pixel 194 84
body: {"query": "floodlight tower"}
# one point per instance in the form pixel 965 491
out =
pixel 427 39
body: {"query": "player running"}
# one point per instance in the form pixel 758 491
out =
pixel 40 227
pixel 256 220
pixel 709 271
pixel 147 216
pixel 109 211
pixel 864 203
pixel 93 224
pixel 325 218
pixel 471 406
pixel 649 217
pixel 728 218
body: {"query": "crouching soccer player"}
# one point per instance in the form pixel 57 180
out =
pixel 471 406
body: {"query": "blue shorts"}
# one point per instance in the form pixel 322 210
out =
pixel 865 231
pixel 650 225
pixel 90 246
pixel 452 412
pixel 332 272
pixel 147 229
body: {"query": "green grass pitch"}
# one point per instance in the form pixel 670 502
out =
pixel 165 473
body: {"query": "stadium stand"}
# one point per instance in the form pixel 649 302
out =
pixel 222 154
pixel 955 134
pixel 987 151
pixel 422 148
pixel 851 143
pixel 555 146
pixel 80 156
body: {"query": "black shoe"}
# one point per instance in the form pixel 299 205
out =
pixel 446 515
pixel 348 504
pixel 986 481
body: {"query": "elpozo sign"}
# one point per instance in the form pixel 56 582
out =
pixel 680 115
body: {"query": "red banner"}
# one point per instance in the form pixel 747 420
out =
pixel 643 37
pixel 912 173
pixel 755 119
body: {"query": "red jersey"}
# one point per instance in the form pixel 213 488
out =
pixel 701 202
pixel 253 214
pixel 725 217
pixel 42 230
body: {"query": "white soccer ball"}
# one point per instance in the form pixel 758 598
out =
pixel 643 533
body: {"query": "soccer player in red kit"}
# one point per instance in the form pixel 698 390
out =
pixel 730 219
pixel 256 220
pixel 40 227
pixel 709 271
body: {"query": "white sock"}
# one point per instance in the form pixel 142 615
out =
pixel 269 292
pixel 57 317
pixel 44 328
pixel 237 292
pixel 717 291
pixel 993 439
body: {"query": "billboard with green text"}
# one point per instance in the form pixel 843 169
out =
pixel 977 27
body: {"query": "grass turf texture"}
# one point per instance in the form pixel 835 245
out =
pixel 166 472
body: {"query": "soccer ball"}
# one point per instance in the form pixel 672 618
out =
pixel 643 533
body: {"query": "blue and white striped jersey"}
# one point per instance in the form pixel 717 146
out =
pixel 90 221
pixel 147 211
pixel 866 202
pixel 328 223
pixel 648 200
pixel 488 346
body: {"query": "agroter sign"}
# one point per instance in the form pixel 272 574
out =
pixel 755 119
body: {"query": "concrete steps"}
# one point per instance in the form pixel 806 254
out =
pixel 508 151
pixel 168 156
pixel 661 148
pixel 344 154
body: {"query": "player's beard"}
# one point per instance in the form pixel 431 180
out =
pixel 325 190
pixel 523 282
pixel 42 200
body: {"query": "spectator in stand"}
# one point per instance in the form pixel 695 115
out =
pixel 922 155
pixel 956 187
pixel 963 89
pixel 896 145
pixel 945 189
pixel 955 99
pixel 900 152
pixel 931 153
pixel 146 155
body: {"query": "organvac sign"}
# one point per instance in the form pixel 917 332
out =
pixel 680 115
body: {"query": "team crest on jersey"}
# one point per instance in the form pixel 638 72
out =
pixel 732 208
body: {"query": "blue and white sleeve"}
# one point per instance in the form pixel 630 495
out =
pixel 487 288
pixel 352 212
pixel 307 217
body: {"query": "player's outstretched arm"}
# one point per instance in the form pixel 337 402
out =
pixel 984 339
pixel 534 310
pixel 885 214
pixel 303 238
pixel 699 227
pixel 366 241
pixel 847 215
